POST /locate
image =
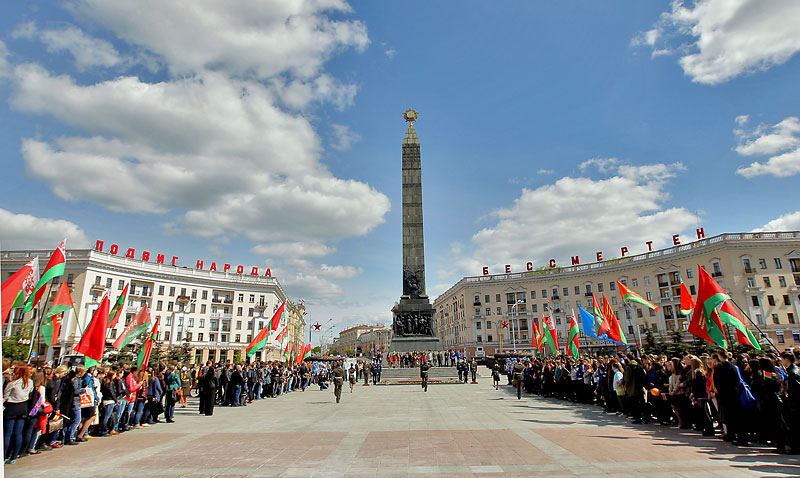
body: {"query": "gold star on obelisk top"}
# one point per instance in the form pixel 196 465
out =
pixel 410 115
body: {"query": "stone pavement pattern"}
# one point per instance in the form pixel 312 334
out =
pixel 399 431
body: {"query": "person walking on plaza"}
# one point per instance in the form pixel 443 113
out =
pixel 518 371
pixel 473 368
pixel 186 386
pixel 352 375
pixel 367 372
pixel 423 373
pixel 376 373
pixel 173 382
pixel 496 375
pixel 338 380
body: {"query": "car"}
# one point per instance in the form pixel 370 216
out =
pixel 72 361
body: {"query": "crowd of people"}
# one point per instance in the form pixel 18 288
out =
pixel 47 408
pixel 414 359
pixel 742 399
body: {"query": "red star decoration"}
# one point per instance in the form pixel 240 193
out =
pixel 505 324
pixel 317 326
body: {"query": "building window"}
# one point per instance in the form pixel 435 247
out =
pixel 194 293
pixel 252 298
pixel 191 322
pixel 578 303
pixel 544 293
pixel 239 325
pixel 566 291
pixel 204 294
pixel 169 306
pixel 477 311
pixel 760 319
pixel 649 296
pixel 646 280
pixel 169 320
pixel 778 264
pixel 751 282
pixel 121 285
pixel 499 311
pixel 200 337
pixel 159 305
pixel 689 274
pixel 755 301
pixel 588 289
pixel 775 319
pixel 171 291
pixel 166 335
pixel 717 271
pixel 478 339
pixel 639 313
pixel 787 300
pixel 782 281
pixel 202 322
pixel 202 308
pixel 770 300
pixel 651 312
pixel 599 287
pixel 790 316
pixel 613 285
pixel 489 338
pixel 614 300
pixel 489 325
pixel 239 311
pixel 488 311
pixel 534 308
pixel 577 290
pixel 779 335
pixel 566 305
pixel 478 325
pixel 161 290
pixel 486 297
pixel 762 263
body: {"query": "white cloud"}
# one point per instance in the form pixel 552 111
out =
pixel 579 216
pixel 545 171
pixel 302 278
pixel 787 222
pixel 344 138
pixel 87 51
pixel 300 250
pixel 23 231
pixel 5 68
pixel 783 138
pixel 726 38
pixel 390 53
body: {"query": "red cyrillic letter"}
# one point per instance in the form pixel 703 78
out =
pixel 675 240
pixel 254 271
pixel 552 262
pixel 576 260
pixel 174 258
pixel 213 266
pixel 226 268
pixel 160 259
pixel 131 253
pixel 530 266
pixel 240 270
pixel 701 233
pixel 199 265
pixel 649 245
pixel 268 273
pixel 624 251
pixel 99 246
pixel 508 269
pixel 599 257
pixel 485 271
pixel 145 256
pixel 114 249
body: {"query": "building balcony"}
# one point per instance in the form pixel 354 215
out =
pixel 261 306
pixel 216 300
pixel 756 289
pixel 98 288
pixel 663 284
pixel 555 297
pixel 749 270
pixel 716 274
pixel 183 298
pixel 588 294
pixel 141 293
pixel 476 303
pixel 675 282
pixel 228 301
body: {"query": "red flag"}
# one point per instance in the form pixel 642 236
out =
pixel 93 341
pixel 276 318
pixel 16 290
pixel 113 316
pixel 705 321
pixel 611 323
pixel 687 303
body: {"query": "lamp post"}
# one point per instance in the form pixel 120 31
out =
pixel 513 320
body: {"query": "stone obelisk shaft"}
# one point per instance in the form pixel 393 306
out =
pixel 413 237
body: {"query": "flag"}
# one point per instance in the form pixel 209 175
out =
pixel 630 296
pixel 687 303
pixel 277 316
pixel 51 326
pixel 258 342
pixel 55 268
pixel 550 334
pixel 729 315
pixel 93 341
pixel 611 324
pixel 300 350
pixel 113 317
pixel 286 352
pixel 136 327
pixel 15 291
pixel 535 337
pixel 307 351
pixel 598 318
pixel 282 334
pixel 709 296
pixel 51 329
pixel 587 323
pixel 144 353
pixel 574 347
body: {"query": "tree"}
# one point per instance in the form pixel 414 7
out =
pixel 677 348
pixel 237 356
pixel 654 345
pixel 182 354
pixel 316 350
pixel 16 346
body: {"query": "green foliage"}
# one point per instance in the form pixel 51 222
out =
pixel 237 356
pixel 349 352
pixel 316 350
pixel 12 349
pixel 181 354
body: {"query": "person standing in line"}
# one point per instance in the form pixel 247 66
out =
pixel 473 368
pixel 15 402
pixel 367 372
pixel 792 402
pixel 338 380
pixel 208 390
pixel 518 370
pixel 186 386
pixel 173 383
pixel 423 373
pixel 352 376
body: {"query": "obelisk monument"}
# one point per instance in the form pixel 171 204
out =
pixel 413 315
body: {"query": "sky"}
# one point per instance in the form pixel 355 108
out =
pixel 268 133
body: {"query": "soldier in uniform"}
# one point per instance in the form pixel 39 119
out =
pixel 367 372
pixel 423 373
pixel 518 372
pixel 338 380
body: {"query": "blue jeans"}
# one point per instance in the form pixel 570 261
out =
pixel 12 435
pixel 119 410
pixel 131 406
pixel 257 391
pixel 139 411
pixel 237 391
pixel 75 421
pixel 108 410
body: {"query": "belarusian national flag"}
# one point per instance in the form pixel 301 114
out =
pixel 598 318
pixel 15 291
pixel 705 322
pixel 113 317
pixel 277 316
pixel 258 342
pixel 144 353
pixel 550 334
pixel 611 324
pixel 574 348
pixel 687 303
pixel 729 315
pixel 55 268
pixel 300 350
pixel 93 341
pixel 51 326
pixel 135 328
pixel 630 296
pixel 282 334
pixel 307 351
pixel 536 337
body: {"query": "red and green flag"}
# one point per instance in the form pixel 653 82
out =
pixel 258 342
pixel 574 347
pixel 282 334
pixel 16 289
pixel 550 334
pixel 55 268
pixel 300 350
pixel 611 325
pixel 93 341
pixel 687 303
pixel 705 321
pixel 113 316
pixel 306 351
pixel 144 353
pixel 598 316
pixel 630 296
pixel 536 338
pixel 51 326
pixel 278 316
pixel 135 328
pixel 729 315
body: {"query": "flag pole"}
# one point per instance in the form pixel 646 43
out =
pixel 761 333
pixel 38 323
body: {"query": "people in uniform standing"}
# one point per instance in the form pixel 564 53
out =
pixel 518 371
pixel 338 380
pixel 473 368
pixel 352 376
pixel 423 373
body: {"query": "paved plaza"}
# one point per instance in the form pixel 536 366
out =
pixel 399 431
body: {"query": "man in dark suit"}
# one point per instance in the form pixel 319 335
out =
pixel 726 381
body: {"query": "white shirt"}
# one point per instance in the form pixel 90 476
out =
pixel 16 393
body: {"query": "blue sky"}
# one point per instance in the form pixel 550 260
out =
pixel 267 133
